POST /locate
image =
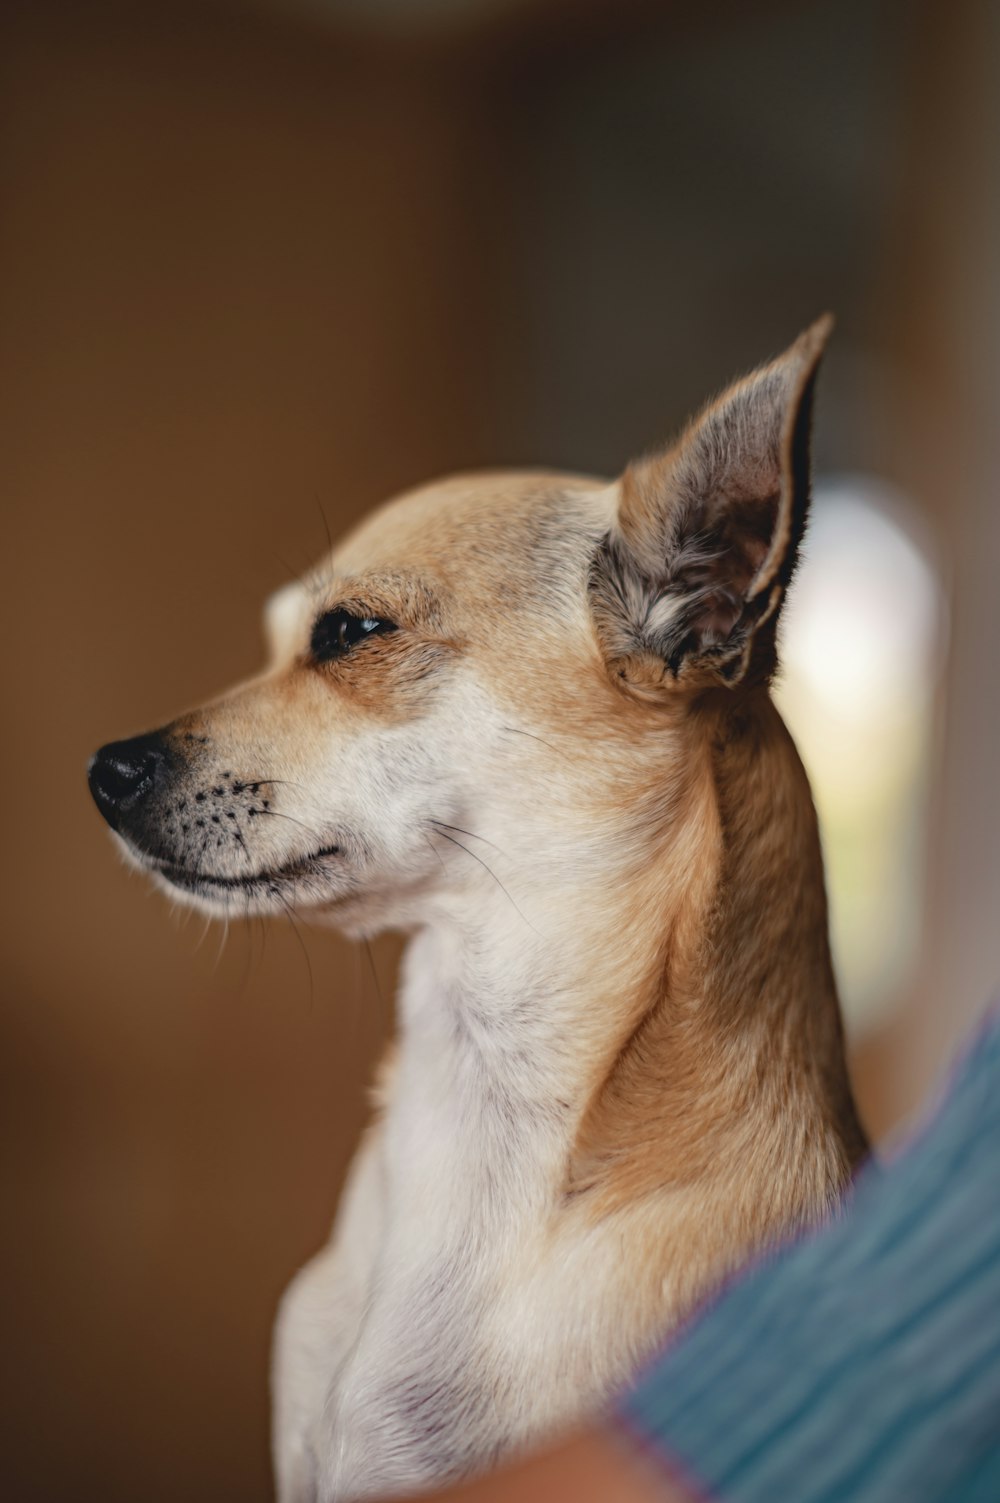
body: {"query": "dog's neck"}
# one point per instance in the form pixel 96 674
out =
pixel 638 1020
pixel 491 1085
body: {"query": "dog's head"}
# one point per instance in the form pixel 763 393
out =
pixel 496 663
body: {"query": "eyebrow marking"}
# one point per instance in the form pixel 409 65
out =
pixel 283 613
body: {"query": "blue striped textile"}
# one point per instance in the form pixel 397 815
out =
pixel 861 1365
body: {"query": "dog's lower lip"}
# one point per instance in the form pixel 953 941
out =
pixel 184 876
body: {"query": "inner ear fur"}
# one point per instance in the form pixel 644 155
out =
pixel 687 586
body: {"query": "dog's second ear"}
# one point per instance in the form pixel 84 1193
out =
pixel 687 587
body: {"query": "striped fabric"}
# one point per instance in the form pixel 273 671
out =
pixel 864 1363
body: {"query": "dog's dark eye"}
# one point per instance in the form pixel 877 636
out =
pixel 336 632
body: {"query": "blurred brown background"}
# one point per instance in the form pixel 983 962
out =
pixel 262 260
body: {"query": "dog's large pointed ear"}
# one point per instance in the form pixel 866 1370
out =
pixel 687 586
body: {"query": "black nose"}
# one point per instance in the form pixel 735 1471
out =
pixel 123 774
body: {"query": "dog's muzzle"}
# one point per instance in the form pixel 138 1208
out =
pixel 123 776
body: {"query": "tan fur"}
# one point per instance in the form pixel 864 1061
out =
pixel 738 1046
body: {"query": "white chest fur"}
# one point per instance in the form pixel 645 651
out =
pixel 459 1312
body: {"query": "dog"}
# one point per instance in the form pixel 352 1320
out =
pixel 525 718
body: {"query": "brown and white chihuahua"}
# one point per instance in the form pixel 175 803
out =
pixel 525 718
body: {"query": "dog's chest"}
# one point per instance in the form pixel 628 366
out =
pixel 477 1326
pixel 458 1354
pixel 420 1396
pixel 430 1387
pixel 462 1364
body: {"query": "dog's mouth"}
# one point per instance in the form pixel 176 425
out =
pixel 266 882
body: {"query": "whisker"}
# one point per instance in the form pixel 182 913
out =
pixel 434 848
pixel 352 1016
pixel 290 914
pixel 471 834
pixel 248 931
pixel 492 873
pixel 516 731
pixel 204 933
pixel 326 525
pixel 222 940
pixel 378 985
pixel 270 782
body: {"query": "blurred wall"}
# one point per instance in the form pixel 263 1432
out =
pixel 255 275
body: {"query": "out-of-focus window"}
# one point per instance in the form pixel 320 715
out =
pixel 862 642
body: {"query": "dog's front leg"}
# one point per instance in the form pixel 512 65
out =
pixel 318 1323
